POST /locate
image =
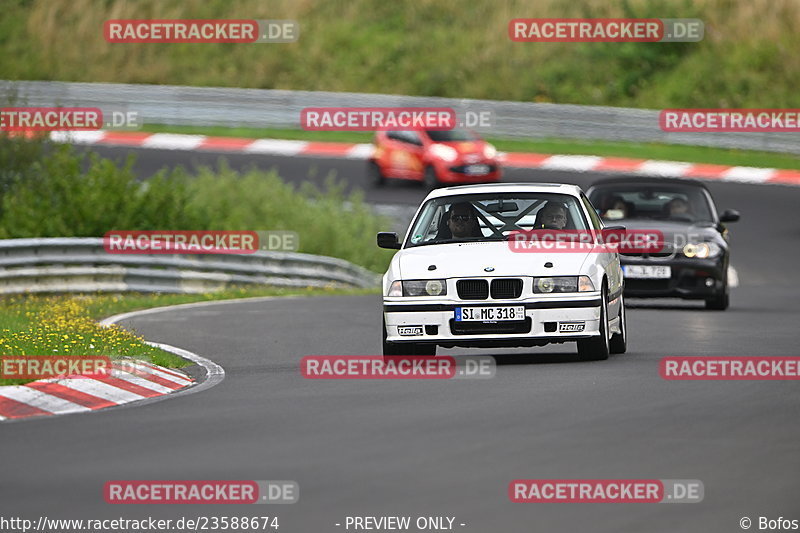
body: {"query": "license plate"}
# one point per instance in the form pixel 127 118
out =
pixel 475 170
pixel 490 314
pixel 647 271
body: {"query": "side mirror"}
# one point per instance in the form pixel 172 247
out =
pixel 730 215
pixel 610 230
pixel 388 240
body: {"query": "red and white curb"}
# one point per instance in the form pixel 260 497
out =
pixel 574 163
pixel 129 381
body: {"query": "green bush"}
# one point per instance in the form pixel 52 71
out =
pixel 67 194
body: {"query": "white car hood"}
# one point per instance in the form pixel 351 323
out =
pixel 459 260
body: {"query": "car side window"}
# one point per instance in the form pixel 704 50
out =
pixel 408 137
pixel 394 135
pixel 412 137
pixel 596 222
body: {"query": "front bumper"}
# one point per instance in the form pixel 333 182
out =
pixel 435 321
pixel 688 280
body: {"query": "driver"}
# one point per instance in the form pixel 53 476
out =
pixel 463 221
pixel 678 207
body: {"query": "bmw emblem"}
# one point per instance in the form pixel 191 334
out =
pixel 488 269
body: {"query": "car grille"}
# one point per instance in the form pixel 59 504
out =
pixel 506 288
pixel 472 289
pixel 477 328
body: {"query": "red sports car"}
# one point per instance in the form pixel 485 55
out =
pixel 435 158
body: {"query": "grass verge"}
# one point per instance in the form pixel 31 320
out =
pixel 747 58
pixel 666 152
pixel 67 324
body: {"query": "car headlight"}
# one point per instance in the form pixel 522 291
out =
pixel 419 287
pixel 702 250
pixel 444 152
pixel 562 284
pixel 489 151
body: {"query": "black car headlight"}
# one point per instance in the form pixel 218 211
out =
pixel 419 287
pixel 560 284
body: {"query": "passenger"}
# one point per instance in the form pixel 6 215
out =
pixel 617 209
pixel 552 216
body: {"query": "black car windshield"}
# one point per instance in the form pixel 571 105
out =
pixel 493 217
pixel 444 136
pixel 655 202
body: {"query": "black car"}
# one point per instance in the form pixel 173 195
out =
pixel 693 263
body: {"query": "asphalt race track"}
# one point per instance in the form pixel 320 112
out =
pixel 450 448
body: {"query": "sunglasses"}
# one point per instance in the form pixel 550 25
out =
pixel 461 218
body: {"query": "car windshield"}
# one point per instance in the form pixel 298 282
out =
pixel 455 135
pixel 493 217
pixel 644 201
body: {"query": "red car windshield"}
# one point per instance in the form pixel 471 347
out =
pixel 451 136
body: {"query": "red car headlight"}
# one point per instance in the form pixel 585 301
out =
pixel 444 152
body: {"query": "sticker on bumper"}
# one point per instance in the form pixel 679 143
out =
pixel 571 327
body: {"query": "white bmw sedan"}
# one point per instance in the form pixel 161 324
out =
pixel 460 278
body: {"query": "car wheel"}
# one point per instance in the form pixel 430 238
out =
pixel 619 341
pixel 390 348
pixel 424 349
pixel 721 301
pixel 408 348
pixel 431 180
pixel 596 348
pixel 375 175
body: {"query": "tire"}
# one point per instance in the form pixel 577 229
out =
pixel 721 301
pixel 376 178
pixel 390 348
pixel 405 348
pixel 424 349
pixel 619 341
pixel 431 180
pixel 597 348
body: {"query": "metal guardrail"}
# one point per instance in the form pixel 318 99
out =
pixel 211 106
pixel 83 265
